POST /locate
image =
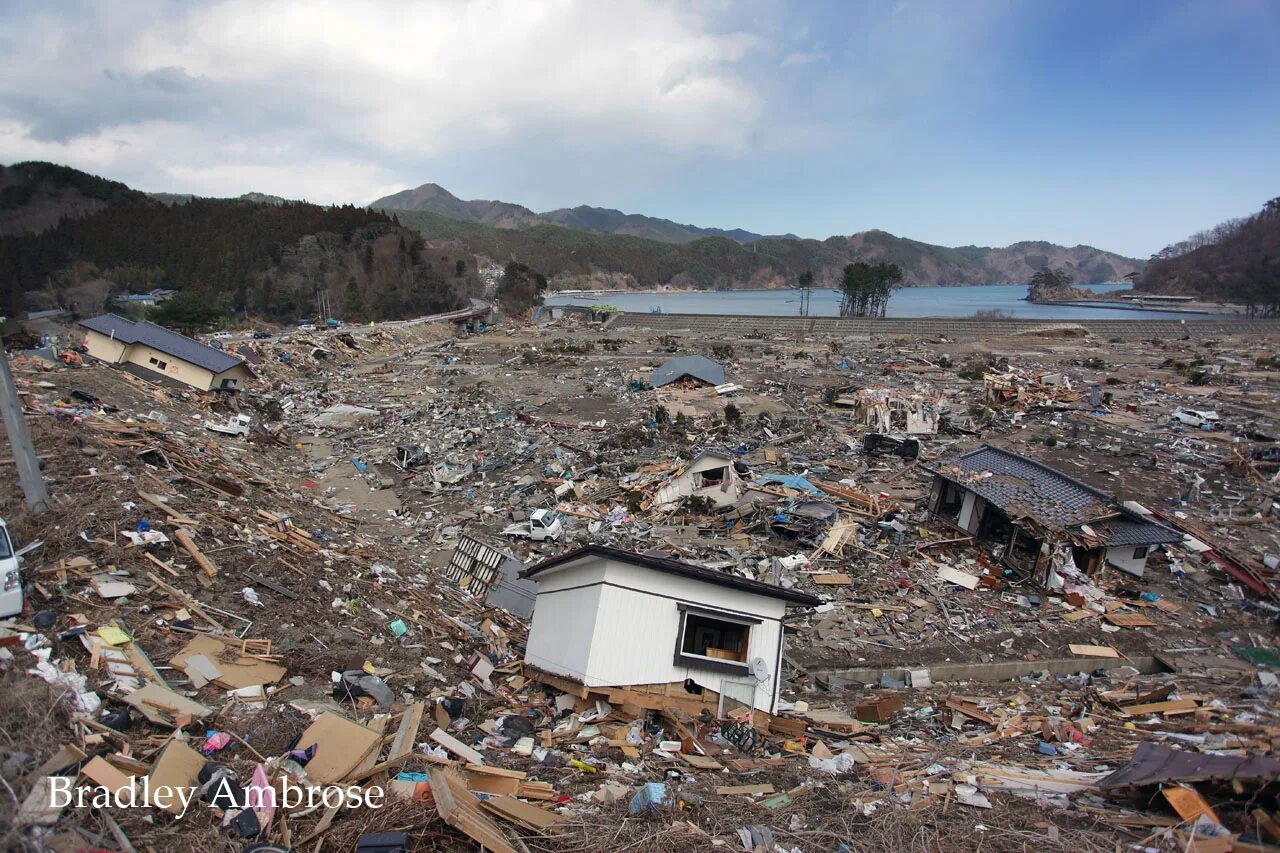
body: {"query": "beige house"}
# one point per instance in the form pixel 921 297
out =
pixel 156 353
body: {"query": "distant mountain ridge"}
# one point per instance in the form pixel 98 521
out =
pixel 500 214
pixel 652 251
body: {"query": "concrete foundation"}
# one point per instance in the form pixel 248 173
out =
pixel 839 677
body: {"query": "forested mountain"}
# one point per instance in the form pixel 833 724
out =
pixel 1236 262
pixel 436 199
pixel 574 257
pixel 433 198
pixel 35 196
pixel 925 263
pixel 266 260
pixel 595 245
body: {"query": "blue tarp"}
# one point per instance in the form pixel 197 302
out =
pixel 791 481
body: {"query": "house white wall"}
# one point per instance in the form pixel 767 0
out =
pixel 966 519
pixel 1122 558
pixel 626 626
pixel 724 493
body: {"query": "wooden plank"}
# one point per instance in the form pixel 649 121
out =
pixel 730 790
pixel 271 585
pixel 457 747
pixel 1129 620
pixel 1266 823
pixel 1160 707
pixel 1077 615
pixel 401 745
pixel 971 710
pixel 701 762
pixel 564 685
pixel 174 516
pixel 342 745
pixel 832 579
pixel 746 765
pixel 458 808
pixel 1093 651
pixel 184 539
pixel 162 564
pixel 523 814
pixel 1188 803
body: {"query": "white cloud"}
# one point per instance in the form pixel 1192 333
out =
pixel 232 93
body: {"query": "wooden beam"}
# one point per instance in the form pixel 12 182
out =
pixel 184 539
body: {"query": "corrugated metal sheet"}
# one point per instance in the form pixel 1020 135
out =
pixel 1153 764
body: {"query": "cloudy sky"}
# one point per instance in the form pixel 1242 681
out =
pixel 1121 125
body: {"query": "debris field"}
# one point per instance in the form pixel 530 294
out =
pixel 317 581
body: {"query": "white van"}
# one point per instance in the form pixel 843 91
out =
pixel 10 580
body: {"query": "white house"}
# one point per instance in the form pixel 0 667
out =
pixel 656 632
pixel 710 475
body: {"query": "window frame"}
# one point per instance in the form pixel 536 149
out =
pixel 1145 549
pixel 695 661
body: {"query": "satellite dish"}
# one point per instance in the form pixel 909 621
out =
pixel 760 669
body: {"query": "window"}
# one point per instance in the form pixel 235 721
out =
pixel 1140 553
pixel 160 365
pixel 712 640
pixel 950 501
pixel 712 477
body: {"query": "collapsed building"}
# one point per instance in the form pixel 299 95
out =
pixel 695 368
pixel 710 475
pixel 888 410
pixel 1037 517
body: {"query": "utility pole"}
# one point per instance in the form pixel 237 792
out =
pixel 24 453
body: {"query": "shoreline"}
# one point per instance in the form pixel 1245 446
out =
pixel 648 291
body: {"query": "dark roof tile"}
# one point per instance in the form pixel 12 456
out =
pixel 162 339
pixel 675 567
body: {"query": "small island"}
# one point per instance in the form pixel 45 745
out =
pixel 1050 285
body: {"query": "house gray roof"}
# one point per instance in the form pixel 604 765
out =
pixel 675 567
pixel 1023 488
pixel 162 339
pixel 1133 531
pixel 697 366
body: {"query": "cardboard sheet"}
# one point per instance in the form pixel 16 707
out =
pixel 245 672
pixel 340 747
pixel 161 705
pixel 177 767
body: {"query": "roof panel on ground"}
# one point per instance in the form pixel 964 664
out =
pixel 697 366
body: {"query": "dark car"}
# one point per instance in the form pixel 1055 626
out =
pixel 258 336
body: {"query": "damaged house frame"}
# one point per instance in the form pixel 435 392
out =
pixel 712 474
pixel 1041 517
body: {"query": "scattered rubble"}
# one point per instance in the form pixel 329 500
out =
pixel 327 581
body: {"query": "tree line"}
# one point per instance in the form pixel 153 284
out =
pixel 1236 262
pixel 237 257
